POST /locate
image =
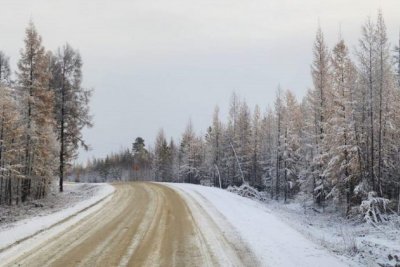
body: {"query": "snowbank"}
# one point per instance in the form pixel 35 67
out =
pixel 273 241
pixel 26 228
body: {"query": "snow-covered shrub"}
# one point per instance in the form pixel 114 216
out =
pixel 374 208
pixel 349 242
pixel 245 190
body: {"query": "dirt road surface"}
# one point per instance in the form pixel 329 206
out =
pixel 144 224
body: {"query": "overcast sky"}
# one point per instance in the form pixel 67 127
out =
pixel 157 63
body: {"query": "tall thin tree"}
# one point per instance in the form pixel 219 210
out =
pixel 71 105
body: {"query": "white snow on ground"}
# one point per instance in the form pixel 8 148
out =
pixel 361 242
pixel 87 196
pixel 273 241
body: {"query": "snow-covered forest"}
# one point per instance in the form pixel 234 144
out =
pixel 339 146
pixel 43 109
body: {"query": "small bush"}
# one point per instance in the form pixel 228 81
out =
pixel 245 190
pixel 374 209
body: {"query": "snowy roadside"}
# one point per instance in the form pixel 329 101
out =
pixel 273 241
pixel 37 216
pixel 361 242
pixel 357 243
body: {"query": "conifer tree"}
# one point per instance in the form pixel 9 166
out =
pixel 291 148
pixel 279 110
pixel 213 146
pixel 161 157
pixel 256 139
pixel 192 154
pixel 321 97
pixel 367 65
pixel 71 105
pixel 343 165
pixel 38 102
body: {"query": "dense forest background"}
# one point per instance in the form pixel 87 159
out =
pixel 337 146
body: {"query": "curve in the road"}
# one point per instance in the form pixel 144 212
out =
pixel 144 224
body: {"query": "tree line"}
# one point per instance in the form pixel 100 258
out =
pixel 127 165
pixel 42 113
pixel 337 146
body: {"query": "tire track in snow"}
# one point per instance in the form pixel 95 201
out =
pixel 144 224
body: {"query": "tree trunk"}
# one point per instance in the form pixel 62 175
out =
pixel 278 158
pixel 62 137
pixel 380 126
pixel 9 191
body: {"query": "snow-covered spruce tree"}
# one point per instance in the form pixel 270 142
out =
pixel 174 160
pixel 397 119
pixel 379 87
pixel 320 101
pixel 343 168
pixel 232 141
pixel 367 67
pixel 213 150
pixel 388 141
pixel 158 144
pixel 256 161
pixel 243 147
pixel 228 163
pixel 391 143
pixel 38 103
pixel 192 156
pixel 383 77
pixel 167 163
pixel 291 146
pixel 71 105
pixel 162 159
pixel 307 139
pixel 279 111
pixel 268 146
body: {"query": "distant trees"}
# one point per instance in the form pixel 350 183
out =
pixel 127 165
pixel 28 135
pixel 142 160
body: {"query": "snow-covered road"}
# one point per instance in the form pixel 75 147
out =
pixel 143 224
pixel 151 224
